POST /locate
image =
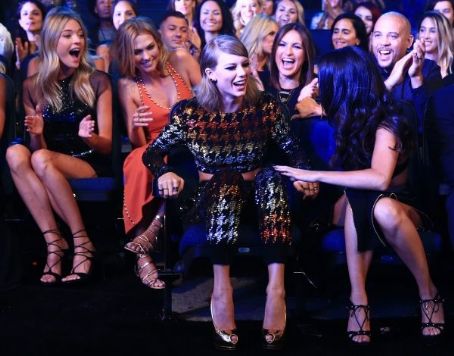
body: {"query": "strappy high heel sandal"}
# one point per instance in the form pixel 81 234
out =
pixel 428 308
pixel 59 252
pixel 88 254
pixel 274 339
pixel 143 243
pixel 146 271
pixel 354 311
pixel 225 340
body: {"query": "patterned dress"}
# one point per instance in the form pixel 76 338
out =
pixel 226 145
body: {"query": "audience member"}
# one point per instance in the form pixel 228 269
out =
pixel 30 15
pixel 440 132
pixel 187 8
pixel 174 30
pixel 330 10
pixel 288 11
pixel 369 13
pixel 258 37
pixel 437 36
pixel 68 107
pixel 243 11
pixel 152 83
pixel 445 7
pixel 232 175
pixel 373 148
pixel 6 49
pixel 349 30
pixel 408 76
pixel 213 18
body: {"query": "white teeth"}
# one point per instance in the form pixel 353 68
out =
pixel 384 52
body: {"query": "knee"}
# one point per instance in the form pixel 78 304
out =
pixel 18 157
pixel 41 162
pixel 389 214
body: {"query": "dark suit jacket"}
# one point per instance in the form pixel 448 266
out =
pixel 440 132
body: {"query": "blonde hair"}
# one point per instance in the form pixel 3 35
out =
pixel 236 14
pixel 47 77
pixel 445 40
pixel 6 47
pixel 299 9
pixel 255 31
pixel 207 93
pixel 124 44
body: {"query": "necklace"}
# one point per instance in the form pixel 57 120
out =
pixel 284 95
pixel 143 89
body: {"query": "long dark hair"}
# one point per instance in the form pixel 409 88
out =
pixel 227 20
pixel 307 70
pixel 358 25
pixel 355 100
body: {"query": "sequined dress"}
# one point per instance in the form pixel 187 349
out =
pixel 138 197
pixel 226 145
pixel 61 127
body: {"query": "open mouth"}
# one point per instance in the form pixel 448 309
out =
pixel 288 63
pixel 384 52
pixel 240 83
pixel 75 52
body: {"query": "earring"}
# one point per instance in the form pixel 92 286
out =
pixel 214 81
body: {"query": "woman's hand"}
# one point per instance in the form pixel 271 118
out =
pixel 34 124
pixel 298 174
pixel 310 90
pixel 142 117
pixel 170 185
pixel 310 190
pixel 86 127
pixel 22 51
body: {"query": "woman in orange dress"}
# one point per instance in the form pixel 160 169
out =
pixel 152 82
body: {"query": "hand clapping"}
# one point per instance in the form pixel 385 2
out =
pixel 86 127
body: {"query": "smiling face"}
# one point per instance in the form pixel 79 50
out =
pixel 286 12
pixel 186 7
pixel 174 32
pixel 428 34
pixel 211 17
pixel 445 8
pixel 146 53
pixel 71 46
pixel 248 9
pixel 122 11
pixel 231 75
pixel 31 18
pixel 290 55
pixel 390 40
pixel 344 34
pixel 366 16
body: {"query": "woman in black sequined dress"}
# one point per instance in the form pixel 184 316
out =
pixel 68 108
pixel 228 127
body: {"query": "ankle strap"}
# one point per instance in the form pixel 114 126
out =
pixel 78 232
pixel 51 231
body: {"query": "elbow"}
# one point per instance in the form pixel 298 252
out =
pixel 383 183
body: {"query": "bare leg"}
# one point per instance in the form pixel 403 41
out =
pixel 358 266
pixel 54 169
pixel 275 311
pixel 35 197
pixel 222 299
pixel 398 222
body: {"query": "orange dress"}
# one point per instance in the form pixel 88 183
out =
pixel 137 200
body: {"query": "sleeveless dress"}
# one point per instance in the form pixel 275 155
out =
pixel 138 198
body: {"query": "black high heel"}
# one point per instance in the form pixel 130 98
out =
pixel 428 308
pixel 353 310
pixel 59 252
pixel 88 254
pixel 225 340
